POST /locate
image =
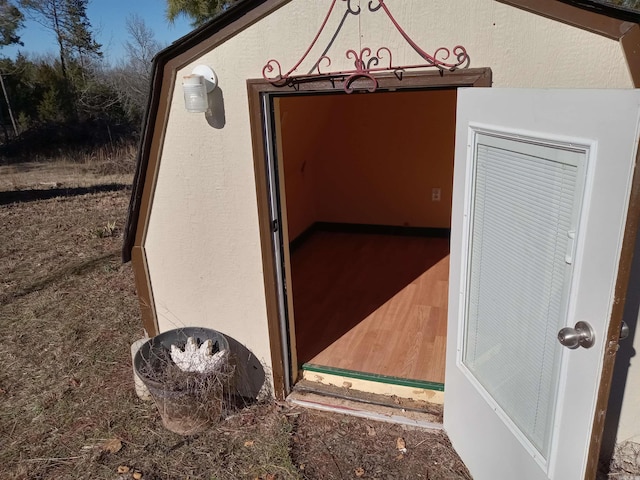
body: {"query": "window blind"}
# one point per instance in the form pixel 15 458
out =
pixel 523 215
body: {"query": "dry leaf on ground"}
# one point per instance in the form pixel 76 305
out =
pixel 112 445
pixel 401 444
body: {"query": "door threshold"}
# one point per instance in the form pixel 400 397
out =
pixel 418 390
pixel 305 396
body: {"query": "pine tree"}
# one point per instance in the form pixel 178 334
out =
pixel 631 4
pixel 10 22
pixel 68 21
pixel 77 31
pixel 200 11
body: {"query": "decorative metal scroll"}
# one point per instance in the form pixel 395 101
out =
pixel 366 62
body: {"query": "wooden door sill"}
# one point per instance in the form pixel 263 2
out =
pixel 421 390
pixel 377 407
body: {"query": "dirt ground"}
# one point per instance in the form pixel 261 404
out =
pixel 68 410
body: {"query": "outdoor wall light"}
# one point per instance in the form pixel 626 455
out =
pixel 196 88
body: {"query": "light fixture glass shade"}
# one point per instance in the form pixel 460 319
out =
pixel 195 93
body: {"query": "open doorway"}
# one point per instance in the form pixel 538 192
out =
pixel 356 176
pixel 365 184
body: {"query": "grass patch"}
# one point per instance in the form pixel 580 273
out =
pixel 111 164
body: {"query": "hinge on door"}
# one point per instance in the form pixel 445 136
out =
pixel 275 226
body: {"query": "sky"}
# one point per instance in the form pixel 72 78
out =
pixel 108 21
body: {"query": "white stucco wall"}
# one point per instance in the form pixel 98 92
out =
pixel 203 245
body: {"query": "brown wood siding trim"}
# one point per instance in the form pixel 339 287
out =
pixel 153 157
pixel 286 258
pixel 575 16
pixel 143 291
pixel 631 45
pixel 139 179
pixel 477 77
pixel 471 77
pixel 613 334
pixel 266 238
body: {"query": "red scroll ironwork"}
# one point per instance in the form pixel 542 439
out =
pixel 366 63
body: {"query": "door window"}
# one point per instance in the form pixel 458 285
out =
pixel 523 219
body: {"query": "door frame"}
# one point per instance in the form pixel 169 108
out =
pixel 627 250
pixel 258 89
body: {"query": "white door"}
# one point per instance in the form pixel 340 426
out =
pixel 541 188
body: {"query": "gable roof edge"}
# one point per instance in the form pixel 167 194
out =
pixel 576 15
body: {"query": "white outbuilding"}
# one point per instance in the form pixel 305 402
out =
pixel 435 200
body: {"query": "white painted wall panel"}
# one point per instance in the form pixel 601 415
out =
pixel 203 245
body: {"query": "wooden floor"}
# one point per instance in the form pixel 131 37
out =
pixel 372 303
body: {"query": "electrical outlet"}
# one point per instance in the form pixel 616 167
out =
pixel 436 194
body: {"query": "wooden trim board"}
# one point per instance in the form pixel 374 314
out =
pixel 613 335
pixel 374 377
pixel 368 229
pixel 376 387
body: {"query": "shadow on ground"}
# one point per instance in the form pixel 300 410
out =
pixel 20 196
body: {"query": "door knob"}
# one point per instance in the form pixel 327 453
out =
pixel 624 330
pixel 582 335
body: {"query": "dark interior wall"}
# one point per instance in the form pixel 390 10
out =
pixel 368 158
